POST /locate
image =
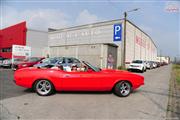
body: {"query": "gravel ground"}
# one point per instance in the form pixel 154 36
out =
pixel 173 110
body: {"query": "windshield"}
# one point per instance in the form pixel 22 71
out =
pixel 137 61
pixel 92 67
pixel 60 60
pixel 49 60
pixel 45 60
pixel 53 61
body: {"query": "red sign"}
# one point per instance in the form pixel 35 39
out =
pixel 140 41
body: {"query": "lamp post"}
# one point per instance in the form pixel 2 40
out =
pixel 124 45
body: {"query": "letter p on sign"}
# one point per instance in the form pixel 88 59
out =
pixel 117 32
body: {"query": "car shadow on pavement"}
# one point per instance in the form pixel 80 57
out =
pixel 29 90
pixel 84 92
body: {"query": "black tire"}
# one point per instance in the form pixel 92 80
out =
pixel 120 89
pixel 43 87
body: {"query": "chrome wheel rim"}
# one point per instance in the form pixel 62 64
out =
pixel 43 87
pixel 125 88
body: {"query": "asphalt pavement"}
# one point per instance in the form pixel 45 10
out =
pixel 148 102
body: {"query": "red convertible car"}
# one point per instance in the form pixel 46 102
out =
pixel 46 80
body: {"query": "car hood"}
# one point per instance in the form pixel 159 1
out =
pixel 108 71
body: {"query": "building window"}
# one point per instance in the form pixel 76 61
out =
pixel 6 50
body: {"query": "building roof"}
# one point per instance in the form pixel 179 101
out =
pixel 51 30
pixel 85 26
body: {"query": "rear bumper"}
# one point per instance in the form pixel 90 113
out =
pixel 23 83
pixel 137 86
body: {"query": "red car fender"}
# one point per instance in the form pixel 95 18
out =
pixel 51 76
pixel 117 81
pixel 133 79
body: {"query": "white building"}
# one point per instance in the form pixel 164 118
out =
pixel 94 42
pixel 165 59
pixel 38 41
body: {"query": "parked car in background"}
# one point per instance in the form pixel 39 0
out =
pixel 46 81
pixel 138 65
pixel 18 60
pixel 56 61
pixel 1 58
pixel 164 63
pixel 149 65
pixel 7 63
pixel 29 62
pixel 46 62
pixel 1 61
pixel 154 64
pixel 158 64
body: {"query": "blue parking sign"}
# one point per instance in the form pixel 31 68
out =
pixel 117 32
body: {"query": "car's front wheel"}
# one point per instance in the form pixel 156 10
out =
pixel 44 87
pixel 142 71
pixel 122 88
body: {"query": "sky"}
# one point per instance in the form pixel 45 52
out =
pixel 160 19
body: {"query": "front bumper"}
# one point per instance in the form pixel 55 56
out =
pixel 135 68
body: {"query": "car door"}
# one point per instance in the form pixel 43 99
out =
pixel 86 81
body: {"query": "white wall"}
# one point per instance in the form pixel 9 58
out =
pixel 99 33
pixel 139 45
pixel 95 54
pixel 38 41
pixel 87 34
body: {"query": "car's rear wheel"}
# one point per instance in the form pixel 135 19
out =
pixel 44 87
pixel 122 89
